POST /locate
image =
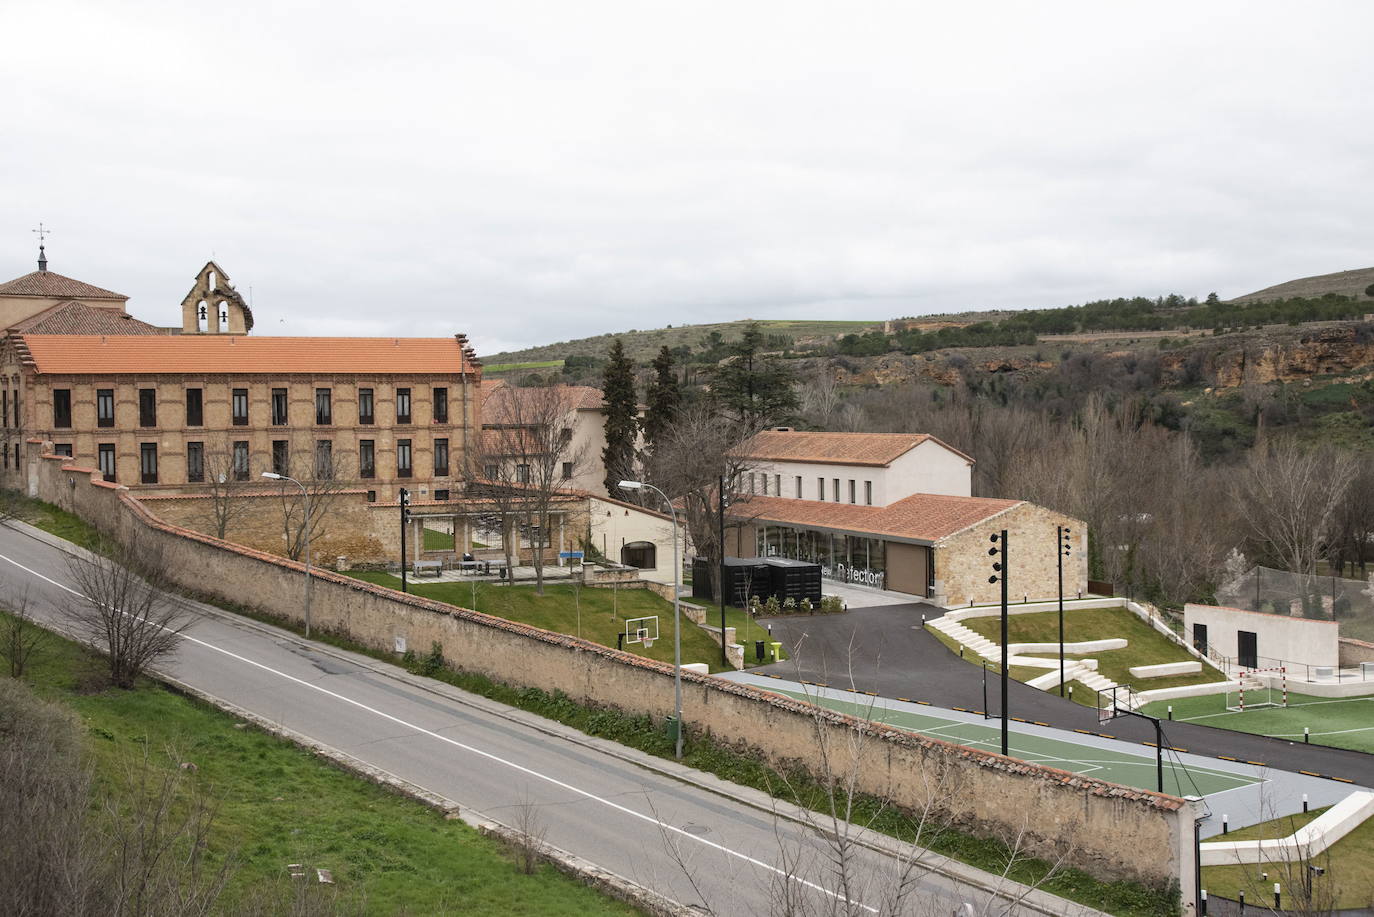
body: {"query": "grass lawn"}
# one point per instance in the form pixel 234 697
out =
pixel 598 615
pixel 1339 722
pixel 52 519
pixel 747 630
pixel 1144 645
pixel 278 804
pixel 438 541
pixel 1349 866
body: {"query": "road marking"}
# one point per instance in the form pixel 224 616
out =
pixel 662 825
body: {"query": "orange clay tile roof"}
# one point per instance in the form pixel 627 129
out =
pixel 223 353
pixel 46 283
pixel 498 402
pixel 919 517
pixel 74 317
pixel 835 448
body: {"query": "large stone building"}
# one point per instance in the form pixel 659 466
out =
pixel 893 511
pixel 170 410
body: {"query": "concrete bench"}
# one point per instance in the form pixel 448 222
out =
pixel 433 567
pixel 1165 669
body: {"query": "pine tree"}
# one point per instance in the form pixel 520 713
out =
pixel 664 398
pixel 753 388
pixel 622 425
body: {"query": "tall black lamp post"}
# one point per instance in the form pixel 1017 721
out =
pixel 1064 547
pixel 405 524
pixel 999 547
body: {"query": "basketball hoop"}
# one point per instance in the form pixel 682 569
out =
pixel 648 643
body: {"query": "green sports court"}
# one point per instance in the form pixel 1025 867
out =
pixel 1346 722
pixel 1091 758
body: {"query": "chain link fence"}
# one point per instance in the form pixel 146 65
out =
pixel 1301 595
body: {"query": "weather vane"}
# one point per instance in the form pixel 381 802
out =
pixel 41 232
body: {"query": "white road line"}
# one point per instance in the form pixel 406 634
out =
pixel 663 826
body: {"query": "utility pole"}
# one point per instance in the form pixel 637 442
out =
pixel 999 547
pixel 720 574
pixel 405 524
pixel 1063 548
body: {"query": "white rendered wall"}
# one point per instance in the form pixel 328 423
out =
pixel 930 468
pixel 614 525
pixel 809 472
pixel 1294 640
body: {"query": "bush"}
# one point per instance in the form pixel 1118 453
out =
pixel 772 606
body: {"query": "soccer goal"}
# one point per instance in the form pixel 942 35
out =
pixel 1259 688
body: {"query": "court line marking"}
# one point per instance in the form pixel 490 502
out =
pixel 662 825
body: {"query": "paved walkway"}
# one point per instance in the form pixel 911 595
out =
pixel 886 650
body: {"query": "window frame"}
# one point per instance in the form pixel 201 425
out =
pixel 61 408
pixel 281 399
pixel 281 456
pixel 147 407
pixel 147 468
pixel 441 457
pixel 440 402
pixel 403 397
pixel 241 469
pixel 195 396
pixel 107 449
pixel 195 469
pixel 238 398
pixel 324 407
pixel 104 397
pixel 370 417
pixel 367 458
pixel 405 458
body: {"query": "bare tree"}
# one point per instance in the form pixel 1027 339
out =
pixel 226 479
pixel 324 477
pixel 1287 495
pixel 21 639
pixel 122 608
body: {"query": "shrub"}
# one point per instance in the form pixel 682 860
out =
pixel 806 605
pixel 771 606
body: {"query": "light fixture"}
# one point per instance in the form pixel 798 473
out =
pixel 273 475
pixel 631 485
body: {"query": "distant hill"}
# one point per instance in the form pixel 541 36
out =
pixel 643 346
pixel 1346 283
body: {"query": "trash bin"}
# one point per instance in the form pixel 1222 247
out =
pixel 759 652
pixel 670 726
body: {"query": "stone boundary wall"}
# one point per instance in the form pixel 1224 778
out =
pixel 1110 831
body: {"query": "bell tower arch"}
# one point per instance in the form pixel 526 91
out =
pixel 213 306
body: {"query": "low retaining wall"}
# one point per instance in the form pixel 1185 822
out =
pixel 1165 669
pixel 1111 831
pixel 1307 842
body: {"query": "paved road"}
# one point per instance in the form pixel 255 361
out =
pixel 635 816
pixel 885 650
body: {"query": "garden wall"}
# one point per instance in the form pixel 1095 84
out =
pixel 1108 830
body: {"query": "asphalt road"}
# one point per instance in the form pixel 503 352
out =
pixel 677 832
pixel 885 650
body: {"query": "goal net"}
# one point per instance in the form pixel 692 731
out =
pixel 1259 688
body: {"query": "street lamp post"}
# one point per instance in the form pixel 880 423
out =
pixel 999 542
pixel 677 616
pixel 305 528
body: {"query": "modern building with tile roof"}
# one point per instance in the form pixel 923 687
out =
pixel 889 510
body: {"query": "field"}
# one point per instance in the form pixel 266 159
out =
pixel 279 804
pixel 492 368
pixel 1341 723
pixel 598 615
pixel 1349 865
pixel 1144 645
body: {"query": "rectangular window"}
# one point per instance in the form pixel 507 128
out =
pixel 441 495
pixel 763 484
pixel 441 457
pixel 777 485
pixel 835 494
pixel 324 408
pixel 147 462
pixel 147 407
pixel 104 408
pixel 820 488
pixel 441 405
pixel 61 407
pixel 853 498
pixel 372 496
pixel 490 472
pixel 366 458
pixel 403 405
pixel 281 460
pixel 403 467
pixel 195 407
pixel 62 449
pixel 18 422
pixel 868 493
pixel 195 462
pixel 365 405
pixel 107 460
pixel 279 407
pixel 522 474
pixel 799 494
pixel 567 471
pixel 1200 637
pixel 5 399
pixel 324 459
pixel 240 407
pixel 240 460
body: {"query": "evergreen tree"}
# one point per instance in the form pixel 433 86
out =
pixel 753 388
pixel 622 426
pixel 664 398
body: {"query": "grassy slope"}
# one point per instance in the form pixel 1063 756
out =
pixel 280 805
pixel 644 345
pixel 1144 645
pixel 1349 866
pixel 602 617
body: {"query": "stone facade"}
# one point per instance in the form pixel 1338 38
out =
pixel 962 563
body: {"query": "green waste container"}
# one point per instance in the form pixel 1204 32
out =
pixel 670 727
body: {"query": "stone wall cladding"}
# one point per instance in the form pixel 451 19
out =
pixel 962 563
pixel 1112 831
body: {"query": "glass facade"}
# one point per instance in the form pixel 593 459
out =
pixel 844 558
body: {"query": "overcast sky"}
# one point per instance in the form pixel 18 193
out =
pixel 533 172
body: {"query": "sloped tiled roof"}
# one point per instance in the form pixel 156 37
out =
pixel 878 449
pixel 46 283
pixel 919 517
pixel 505 404
pixel 72 317
pixel 224 353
